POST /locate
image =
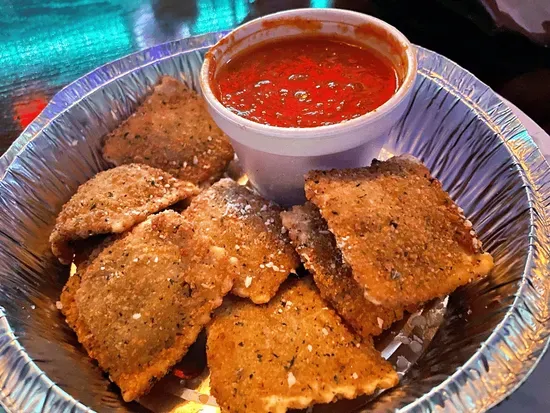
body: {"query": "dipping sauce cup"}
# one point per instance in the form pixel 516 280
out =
pixel 276 158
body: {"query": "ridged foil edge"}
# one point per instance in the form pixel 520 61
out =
pixel 29 394
pixel 77 90
pixel 488 377
pixel 492 374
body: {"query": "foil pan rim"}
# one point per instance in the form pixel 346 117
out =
pixel 13 394
pixel 538 191
pixel 97 78
pixel 532 294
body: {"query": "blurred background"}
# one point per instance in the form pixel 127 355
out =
pixel 46 44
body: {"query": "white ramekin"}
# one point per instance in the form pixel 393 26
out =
pixel 276 158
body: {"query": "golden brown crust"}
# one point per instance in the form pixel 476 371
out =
pixel 404 238
pixel 114 201
pixel 250 228
pixel 290 353
pixel 172 131
pixel 142 301
pixel 85 252
pixel 316 245
pixel 67 300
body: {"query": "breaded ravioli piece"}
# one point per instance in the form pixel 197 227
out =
pixel 67 304
pixel 114 201
pixel 173 131
pixel 316 245
pixel 404 238
pixel 144 298
pixel 85 252
pixel 288 354
pixel 250 229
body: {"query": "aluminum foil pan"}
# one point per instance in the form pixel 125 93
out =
pixel 488 336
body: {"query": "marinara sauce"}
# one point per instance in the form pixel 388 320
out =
pixel 305 82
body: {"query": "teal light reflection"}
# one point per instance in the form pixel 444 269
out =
pixel 214 15
pixel 88 41
pixel 321 4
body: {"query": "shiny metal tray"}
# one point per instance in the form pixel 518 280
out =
pixel 490 335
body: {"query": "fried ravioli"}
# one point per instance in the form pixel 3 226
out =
pixel 114 201
pixel 290 353
pixel 85 252
pixel 404 238
pixel 250 229
pixel 172 131
pixel 143 300
pixel 309 234
pixel 67 300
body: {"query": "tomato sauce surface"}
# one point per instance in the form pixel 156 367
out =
pixel 305 82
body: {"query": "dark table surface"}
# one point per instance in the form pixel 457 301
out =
pixel 46 44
